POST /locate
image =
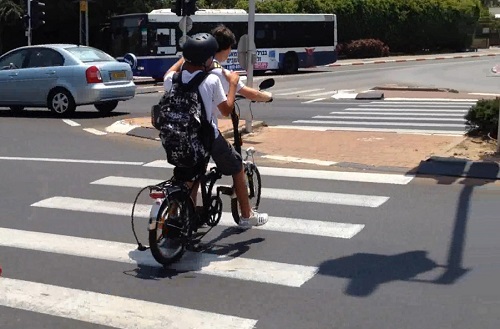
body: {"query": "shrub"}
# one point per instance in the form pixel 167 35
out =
pixel 365 48
pixel 482 118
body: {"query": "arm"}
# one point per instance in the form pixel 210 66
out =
pixel 255 95
pixel 227 107
pixel 176 67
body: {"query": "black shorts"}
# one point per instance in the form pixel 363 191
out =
pixel 225 157
pixel 187 174
pixel 228 161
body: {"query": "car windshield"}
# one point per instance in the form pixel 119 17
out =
pixel 87 54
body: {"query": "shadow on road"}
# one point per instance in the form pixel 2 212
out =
pixel 193 261
pixel 367 272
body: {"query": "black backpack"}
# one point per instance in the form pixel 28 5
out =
pixel 185 132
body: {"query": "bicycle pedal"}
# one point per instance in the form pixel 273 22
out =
pixel 225 190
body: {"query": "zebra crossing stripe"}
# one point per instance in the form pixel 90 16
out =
pixel 361 123
pixel 276 224
pixel 454 133
pixel 349 176
pixel 402 118
pixel 405 110
pixel 239 268
pixel 108 310
pixel 411 114
pixel 359 200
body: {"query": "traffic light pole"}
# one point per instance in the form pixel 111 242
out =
pixel 251 56
pixel 28 31
pixel 84 22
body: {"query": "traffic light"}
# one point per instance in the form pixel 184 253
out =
pixel 189 7
pixel 37 14
pixel 177 7
pixel 183 7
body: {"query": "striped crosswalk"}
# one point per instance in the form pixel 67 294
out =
pixel 115 311
pixel 444 117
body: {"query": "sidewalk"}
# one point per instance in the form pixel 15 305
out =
pixel 411 58
pixel 338 149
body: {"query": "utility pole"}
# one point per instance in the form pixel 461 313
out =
pixel 498 131
pixel 251 56
pixel 34 17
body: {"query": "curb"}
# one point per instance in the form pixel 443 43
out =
pixel 124 127
pixel 457 167
pixel 410 88
pixel 418 59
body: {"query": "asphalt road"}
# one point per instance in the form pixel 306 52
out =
pixel 392 251
pixel 347 250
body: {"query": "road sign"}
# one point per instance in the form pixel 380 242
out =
pixel 243 52
pixel 186 24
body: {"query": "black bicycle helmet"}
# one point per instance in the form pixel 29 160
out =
pixel 199 47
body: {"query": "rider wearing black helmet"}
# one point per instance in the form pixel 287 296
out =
pixel 198 48
pixel 198 54
pixel 199 51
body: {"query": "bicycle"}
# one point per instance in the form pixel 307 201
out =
pixel 175 224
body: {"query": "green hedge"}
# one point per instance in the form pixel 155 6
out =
pixel 482 118
pixel 404 25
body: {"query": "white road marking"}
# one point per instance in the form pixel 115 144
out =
pixel 361 123
pixel 461 115
pixel 296 92
pixel 72 161
pixel 71 123
pixel 314 100
pixel 455 103
pixel 95 131
pixel 109 310
pixel 399 131
pixel 318 174
pixel 364 117
pixel 406 110
pixel 359 200
pixel 411 106
pixel 121 127
pixel 276 224
pixel 431 99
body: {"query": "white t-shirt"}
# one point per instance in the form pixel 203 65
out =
pixel 211 91
pixel 225 84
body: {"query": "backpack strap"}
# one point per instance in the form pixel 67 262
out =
pixel 197 80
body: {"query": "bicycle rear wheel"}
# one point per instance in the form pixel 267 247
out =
pixel 172 230
pixel 253 183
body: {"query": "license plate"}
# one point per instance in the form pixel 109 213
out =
pixel 118 75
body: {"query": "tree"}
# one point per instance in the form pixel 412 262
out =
pixel 10 13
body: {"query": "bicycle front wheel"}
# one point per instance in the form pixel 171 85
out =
pixel 253 183
pixel 172 231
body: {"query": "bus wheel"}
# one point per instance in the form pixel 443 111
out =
pixel 290 64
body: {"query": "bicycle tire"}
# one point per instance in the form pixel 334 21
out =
pixel 252 174
pixel 169 233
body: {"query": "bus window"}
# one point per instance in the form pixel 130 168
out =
pixel 165 42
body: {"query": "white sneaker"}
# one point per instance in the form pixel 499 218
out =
pixel 255 219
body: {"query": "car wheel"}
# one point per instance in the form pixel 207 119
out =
pixel 61 102
pixel 17 109
pixel 106 107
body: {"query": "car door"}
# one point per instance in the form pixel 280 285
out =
pixel 10 66
pixel 40 75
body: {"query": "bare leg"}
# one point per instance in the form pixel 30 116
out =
pixel 242 193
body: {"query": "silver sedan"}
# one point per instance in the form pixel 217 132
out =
pixel 62 77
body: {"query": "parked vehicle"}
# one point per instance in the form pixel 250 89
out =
pixel 62 77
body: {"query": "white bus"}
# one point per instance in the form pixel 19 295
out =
pixel 284 42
